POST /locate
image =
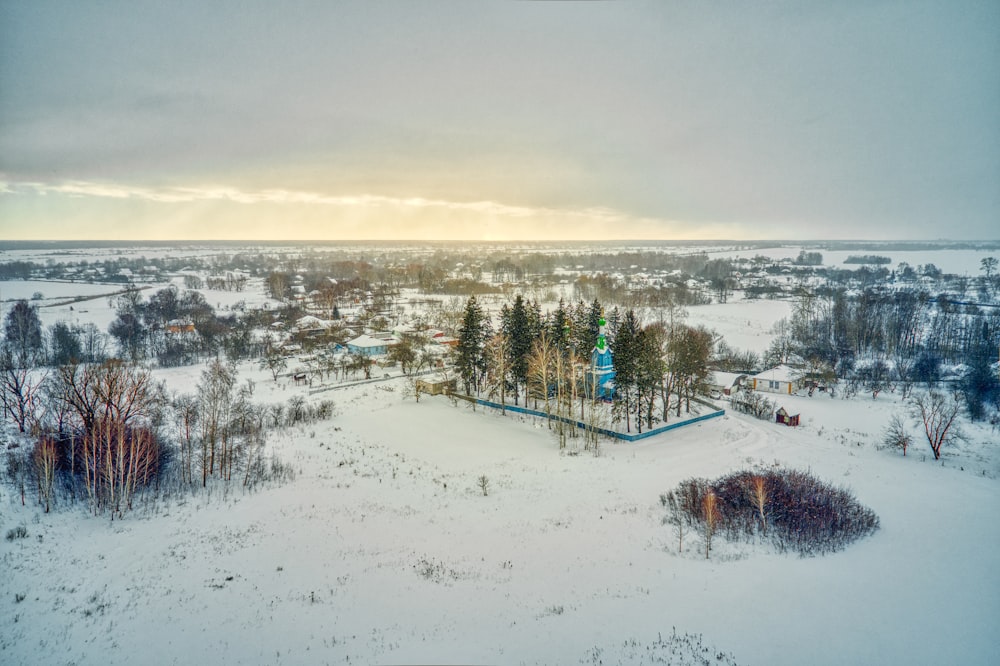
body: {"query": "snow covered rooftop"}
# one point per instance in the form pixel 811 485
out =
pixel 365 341
pixel 779 373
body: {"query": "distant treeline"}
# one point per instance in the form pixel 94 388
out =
pixel 867 259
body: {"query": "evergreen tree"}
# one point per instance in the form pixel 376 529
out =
pixel 625 351
pixel 473 333
pixel 581 336
pixel 516 325
pixel 559 327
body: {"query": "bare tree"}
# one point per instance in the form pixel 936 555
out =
pixel 896 435
pixel 215 396
pixel 497 353
pixel 937 412
pixel 711 516
pixel 186 416
pixel 117 460
pixel 45 469
pixel 414 388
pixel 676 517
pixel 273 360
pixel 759 495
pixel 17 469
pixel 541 363
pixel 19 387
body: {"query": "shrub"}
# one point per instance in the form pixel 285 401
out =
pixel 19 532
pixel 789 508
pixel 751 402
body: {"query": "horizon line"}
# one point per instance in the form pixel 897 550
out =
pixel 686 241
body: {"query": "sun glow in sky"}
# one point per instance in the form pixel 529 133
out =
pixel 501 121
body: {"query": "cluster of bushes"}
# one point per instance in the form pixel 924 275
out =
pixel 753 403
pixel 298 412
pixel 788 508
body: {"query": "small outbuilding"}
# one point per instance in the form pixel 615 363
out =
pixel 436 385
pixel 724 383
pixel 782 416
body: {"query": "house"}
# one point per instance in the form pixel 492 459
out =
pixel 436 385
pixel 782 416
pixel 178 326
pixel 724 383
pixel 366 345
pixel 779 379
pixel 445 340
pixel 402 330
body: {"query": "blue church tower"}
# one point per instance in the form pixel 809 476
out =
pixel 601 375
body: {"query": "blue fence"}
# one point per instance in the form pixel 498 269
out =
pixel 604 431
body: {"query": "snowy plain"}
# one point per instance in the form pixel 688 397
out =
pixel 956 261
pixel 383 549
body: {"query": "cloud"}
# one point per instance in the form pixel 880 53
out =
pixel 227 211
pixel 278 196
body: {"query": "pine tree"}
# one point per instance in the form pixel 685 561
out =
pixel 559 327
pixel 517 327
pixel 625 351
pixel 472 336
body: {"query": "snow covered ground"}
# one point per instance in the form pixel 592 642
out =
pixel 384 550
pixel 743 324
pixel 958 262
pixel 59 298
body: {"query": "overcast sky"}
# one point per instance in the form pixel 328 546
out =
pixel 483 120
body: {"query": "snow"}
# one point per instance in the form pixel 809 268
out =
pixel 744 324
pixel 955 261
pixel 384 550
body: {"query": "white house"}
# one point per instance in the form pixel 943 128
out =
pixel 779 379
pixel 368 346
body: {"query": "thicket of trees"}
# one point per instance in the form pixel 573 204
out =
pixel 790 509
pixel 659 367
pixel 878 340
pixel 106 433
pixel 172 327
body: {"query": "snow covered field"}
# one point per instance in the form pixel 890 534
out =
pixel 958 262
pixel 384 550
pixel 743 324
pixel 59 298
